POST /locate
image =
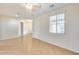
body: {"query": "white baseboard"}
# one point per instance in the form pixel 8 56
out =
pixel 57 45
pixel 9 38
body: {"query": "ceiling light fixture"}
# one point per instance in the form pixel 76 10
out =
pixel 31 6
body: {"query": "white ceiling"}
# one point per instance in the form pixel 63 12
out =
pixel 11 9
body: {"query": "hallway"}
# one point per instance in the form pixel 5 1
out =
pixel 31 47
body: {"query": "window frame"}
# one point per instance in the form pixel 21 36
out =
pixel 57 23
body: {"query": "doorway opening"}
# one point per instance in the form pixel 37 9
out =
pixel 25 27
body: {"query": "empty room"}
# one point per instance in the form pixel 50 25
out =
pixel 39 29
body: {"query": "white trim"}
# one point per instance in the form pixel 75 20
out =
pixel 56 44
pixel 10 38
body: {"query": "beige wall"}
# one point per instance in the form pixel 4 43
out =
pixel 70 40
pixel 9 28
pixel 29 26
pixel 0 30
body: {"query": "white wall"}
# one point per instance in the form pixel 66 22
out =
pixel 70 40
pixel 9 28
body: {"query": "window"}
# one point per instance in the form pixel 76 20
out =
pixel 56 23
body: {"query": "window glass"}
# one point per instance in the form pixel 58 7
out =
pixel 57 23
